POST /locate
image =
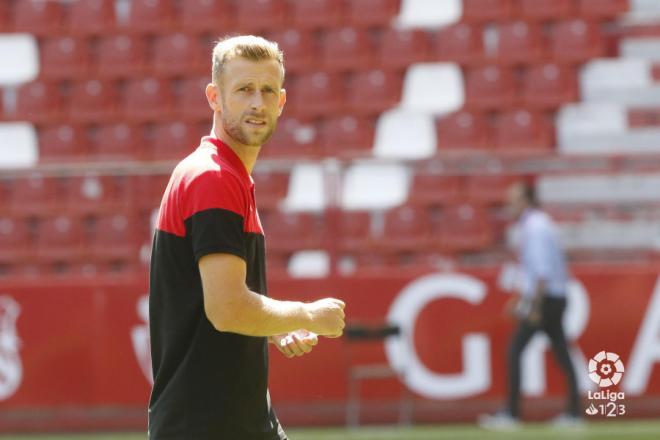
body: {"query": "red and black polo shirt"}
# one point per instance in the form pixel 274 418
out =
pixel 207 384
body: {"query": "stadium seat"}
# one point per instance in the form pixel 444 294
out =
pixel 318 14
pixel 426 14
pixel 292 231
pixel 193 105
pixel 59 238
pixel 174 140
pixel 435 188
pixel 575 41
pixel 119 141
pixel 487 10
pixel 36 195
pixel 5 17
pixel 62 143
pixel 354 230
pixel 198 16
pixel 603 9
pixel 309 263
pixel 345 49
pixel 523 130
pixel 24 149
pixel 15 239
pixel 179 54
pixel 308 191
pixel 548 86
pixel 146 190
pixel 347 136
pixel 94 194
pixel 464 130
pixel 148 99
pixel 404 134
pixel 392 179
pixel 293 138
pixel 464 227
pixel 20 61
pixel 372 13
pixel 151 16
pixel 400 48
pixel 299 47
pixel 316 94
pixel 39 102
pixel 461 43
pixel 546 10
pixel 64 58
pixel 270 188
pixel 38 17
pixel 433 88
pixel 490 88
pixel 406 228
pixel 489 189
pixel 121 56
pixel 371 92
pixel 519 42
pixel 94 101
pixel 92 17
pixel 116 236
pixel 256 16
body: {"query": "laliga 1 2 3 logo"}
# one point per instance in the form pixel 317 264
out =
pixel 606 369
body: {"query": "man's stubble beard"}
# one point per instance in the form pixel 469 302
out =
pixel 234 129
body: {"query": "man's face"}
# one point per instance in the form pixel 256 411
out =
pixel 249 99
pixel 517 201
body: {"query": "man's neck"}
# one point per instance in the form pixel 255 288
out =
pixel 246 153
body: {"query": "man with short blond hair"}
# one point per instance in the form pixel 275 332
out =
pixel 210 316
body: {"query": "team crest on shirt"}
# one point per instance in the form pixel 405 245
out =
pixel 11 367
pixel 141 339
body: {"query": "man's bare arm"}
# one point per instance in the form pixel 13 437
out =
pixel 231 307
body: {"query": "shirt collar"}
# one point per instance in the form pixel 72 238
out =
pixel 526 214
pixel 231 157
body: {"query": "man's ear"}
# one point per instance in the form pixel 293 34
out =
pixel 213 97
pixel 282 101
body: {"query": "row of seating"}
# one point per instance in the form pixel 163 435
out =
pixel 145 16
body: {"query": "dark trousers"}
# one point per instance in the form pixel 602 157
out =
pixel 552 312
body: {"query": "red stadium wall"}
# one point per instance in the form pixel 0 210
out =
pixel 72 355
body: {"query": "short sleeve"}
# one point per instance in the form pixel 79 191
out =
pixel 214 206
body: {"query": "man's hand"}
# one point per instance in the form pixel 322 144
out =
pixel 326 317
pixel 295 343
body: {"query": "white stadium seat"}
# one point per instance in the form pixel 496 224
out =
pixel 615 188
pixel 307 192
pixel 18 145
pixel 625 81
pixel 375 186
pixel 433 88
pixel 309 264
pixel 403 134
pixel 428 13
pixel 20 59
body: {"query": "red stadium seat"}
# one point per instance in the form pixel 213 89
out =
pixel 464 130
pixel 60 238
pixel 179 54
pixel 271 188
pixel 490 88
pixel 62 143
pixel 299 47
pixel 120 56
pixel 548 86
pixel 346 49
pixel 15 239
pixel 148 99
pixel 575 41
pixel 193 105
pixel 400 48
pixel 432 189
pixel 546 10
pixel 489 188
pixel 317 14
pixel 372 13
pixel 293 138
pixel 205 15
pixel 292 231
pixel 261 15
pixel 147 190
pixel 174 140
pixel 151 16
pixel 117 236
pixel 95 194
pixel 40 102
pixel 94 101
pixel 406 228
pixel 35 195
pixel 5 18
pixel 523 130
pixel 347 136
pixel 92 17
pixel 38 17
pixel 371 92
pixel 64 58
pixel 464 227
pixel 487 10
pixel 520 42
pixel 119 141
pixel 316 94
pixel 603 9
pixel 461 43
pixel 354 230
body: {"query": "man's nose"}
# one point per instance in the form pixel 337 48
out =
pixel 257 101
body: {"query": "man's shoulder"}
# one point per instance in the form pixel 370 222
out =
pixel 539 221
pixel 203 167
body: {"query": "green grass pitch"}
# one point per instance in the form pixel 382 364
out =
pixel 624 430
